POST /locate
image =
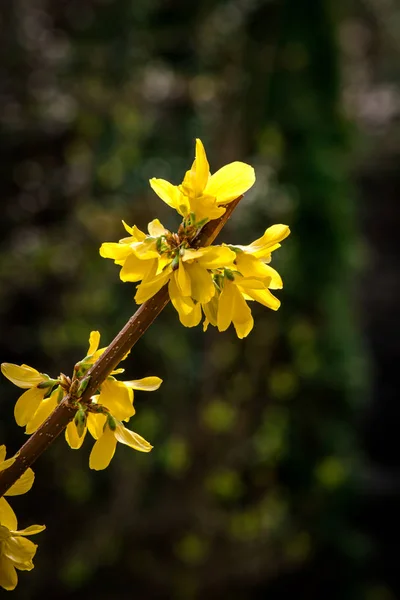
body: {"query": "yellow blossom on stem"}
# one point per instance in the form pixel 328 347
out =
pixel 201 193
pixel 37 385
pixel 15 551
pixel 250 279
pixel 113 403
pixel 108 431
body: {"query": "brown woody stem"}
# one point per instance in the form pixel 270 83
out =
pixel 45 435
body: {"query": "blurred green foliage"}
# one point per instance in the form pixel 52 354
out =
pixel 248 490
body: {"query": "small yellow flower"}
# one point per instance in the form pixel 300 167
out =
pixel 203 194
pixel 38 385
pixel 250 279
pixel 107 432
pixel 113 403
pixel 15 551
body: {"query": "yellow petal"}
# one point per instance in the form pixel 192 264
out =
pixel 230 182
pixel 115 251
pixel 146 249
pixel 118 398
pixel 263 297
pixel 211 311
pixel 147 384
pixel 103 451
pixel 251 283
pixel 183 305
pixel 135 232
pixel 8 574
pixel 3 453
pixel 200 169
pixel 136 269
pixel 225 306
pixel 95 424
pixel 94 341
pixel 205 207
pixel 7 515
pixel 148 289
pixel 31 530
pixel 193 318
pixel 266 243
pixel 4 464
pixel 250 266
pixel 22 376
pixel 182 280
pixel 131 439
pixel 202 286
pixel 156 229
pixel 22 485
pixel 163 262
pixel 211 257
pixel 44 410
pixel 171 195
pixel 20 551
pixel 27 405
pixel 241 317
pixel 72 438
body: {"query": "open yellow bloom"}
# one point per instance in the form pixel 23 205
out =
pixel 113 403
pixel 107 433
pixel 204 194
pixel 250 279
pixel 15 551
pixel 190 283
pixel 37 385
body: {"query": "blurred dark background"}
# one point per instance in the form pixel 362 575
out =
pixel 276 469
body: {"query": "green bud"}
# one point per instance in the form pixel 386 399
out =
pixel 82 386
pixel 175 262
pixel 111 422
pixel 235 249
pixel 80 421
pixel 201 223
pixel 229 275
pixel 47 383
pixel 59 393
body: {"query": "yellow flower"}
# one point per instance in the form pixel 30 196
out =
pixel 107 432
pixel 38 385
pixel 138 254
pixel 190 283
pixel 15 551
pixel 203 194
pixel 114 401
pixel 250 279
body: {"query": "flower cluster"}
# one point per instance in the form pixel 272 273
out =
pixel 16 552
pixel 215 280
pixel 102 416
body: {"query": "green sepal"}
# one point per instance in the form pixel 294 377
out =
pixel 111 422
pixel 175 262
pixel 82 386
pixel 229 275
pixel 80 421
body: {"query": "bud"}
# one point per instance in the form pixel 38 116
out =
pixel 175 262
pixel 111 422
pixel 80 421
pixel 82 386
pixel 229 275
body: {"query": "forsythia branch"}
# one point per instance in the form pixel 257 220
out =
pixel 45 435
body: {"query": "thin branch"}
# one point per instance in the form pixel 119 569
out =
pixel 45 435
